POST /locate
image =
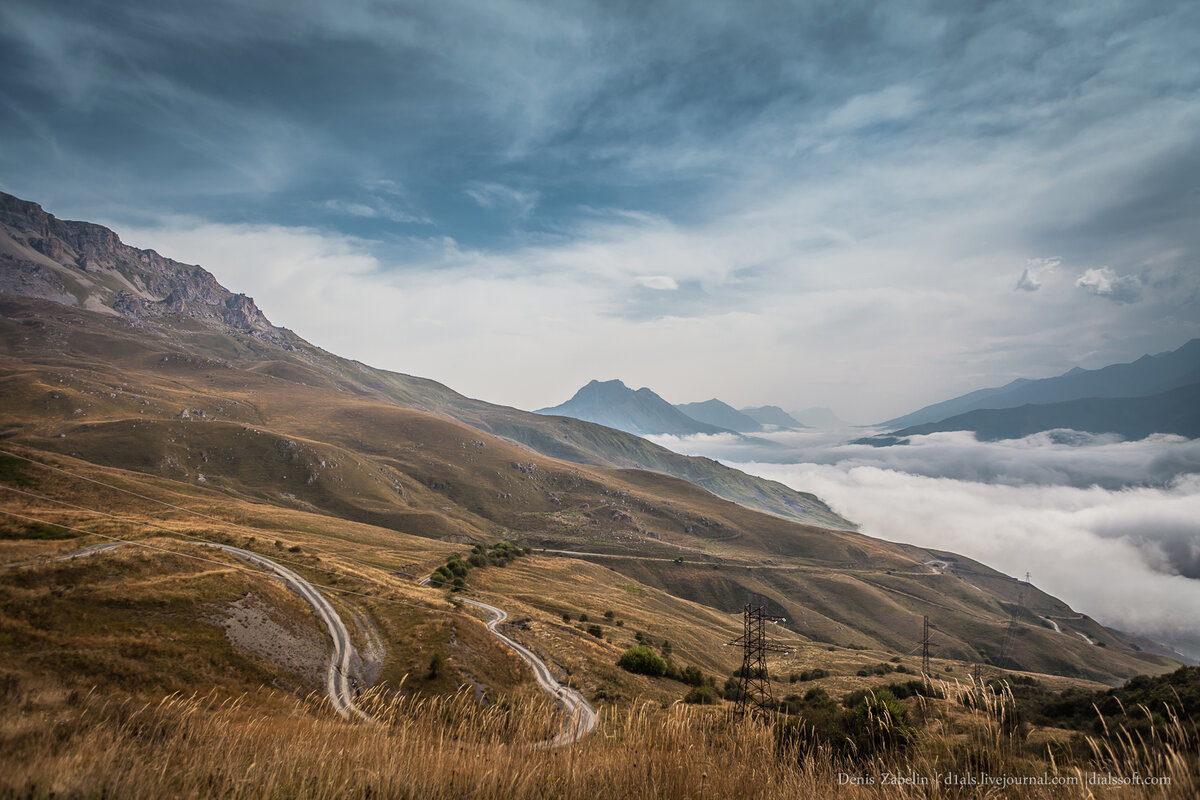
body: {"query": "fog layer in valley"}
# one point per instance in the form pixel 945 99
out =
pixel 1111 527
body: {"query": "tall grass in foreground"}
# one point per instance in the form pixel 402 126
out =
pixel 453 747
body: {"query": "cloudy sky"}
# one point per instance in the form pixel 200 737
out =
pixel 867 206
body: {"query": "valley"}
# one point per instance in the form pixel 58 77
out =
pixel 213 447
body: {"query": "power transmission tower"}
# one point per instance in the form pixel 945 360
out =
pixel 1012 627
pixel 925 670
pixel 754 686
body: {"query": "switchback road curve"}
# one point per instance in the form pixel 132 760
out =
pixel 581 717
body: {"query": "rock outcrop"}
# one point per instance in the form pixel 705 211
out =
pixel 83 264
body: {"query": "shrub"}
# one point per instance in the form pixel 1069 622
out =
pixel 692 676
pixel 596 630
pixel 436 665
pixel 641 660
pixel 702 695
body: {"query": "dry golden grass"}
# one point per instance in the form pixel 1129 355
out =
pixel 454 747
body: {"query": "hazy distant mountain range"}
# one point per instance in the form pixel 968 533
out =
pixel 777 417
pixel 1176 411
pixel 1155 394
pixel 641 412
pixel 1148 375
pixel 644 413
pixel 723 415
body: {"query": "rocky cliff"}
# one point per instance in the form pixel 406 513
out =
pixel 87 265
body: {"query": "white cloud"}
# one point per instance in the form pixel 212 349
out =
pixel 1027 282
pixel 1035 270
pixel 659 282
pixel 1111 527
pixel 375 210
pixel 1054 458
pixel 497 196
pixel 1089 547
pixel 1104 282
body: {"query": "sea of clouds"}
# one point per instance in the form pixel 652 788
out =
pixel 1109 526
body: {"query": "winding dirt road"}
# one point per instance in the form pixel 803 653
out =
pixel 581 717
pixel 337 681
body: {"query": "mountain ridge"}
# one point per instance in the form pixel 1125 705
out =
pixel 722 415
pixel 1148 375
pixel 640 412
pixel 1176 411
pixel 99 268
pixel 773 415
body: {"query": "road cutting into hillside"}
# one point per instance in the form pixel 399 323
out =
pixel 581 716
pixel 337 680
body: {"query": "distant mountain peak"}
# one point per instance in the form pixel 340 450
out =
pixel 722 415
pixel 641 412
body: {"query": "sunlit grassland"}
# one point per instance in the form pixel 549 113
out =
pixel 453 746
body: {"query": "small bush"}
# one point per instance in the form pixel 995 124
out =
pixel 641 660
pixel 437 665
pixel 702 695
pixel 596 630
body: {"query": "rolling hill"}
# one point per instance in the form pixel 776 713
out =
pixel 132 370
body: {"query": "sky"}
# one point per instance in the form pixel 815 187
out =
pixel 863 206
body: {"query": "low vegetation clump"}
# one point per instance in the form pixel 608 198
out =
pixel 705 695
pixel 453 573
pixel 1161 698
pixel 641 660
pixel 880 669
pixel 808 675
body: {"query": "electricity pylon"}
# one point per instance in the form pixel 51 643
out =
pixel 754 687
